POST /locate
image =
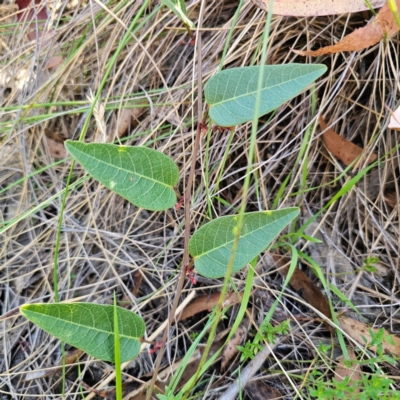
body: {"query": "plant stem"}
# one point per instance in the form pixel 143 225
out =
pixel 246 184
pixel 187 203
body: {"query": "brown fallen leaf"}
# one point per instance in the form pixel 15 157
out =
pixel 341 148
pixel 33 11
pixel 238 337
pixel 357 330
pixel 258 390
pixel 342 371
pixel 54 62
pixel 137 278
pixel 382 25
pixel 206 303
pixel 314 8
pixel 55 144
pixel 305 287
pixel 125 120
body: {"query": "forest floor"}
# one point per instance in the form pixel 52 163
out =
pixel 108 245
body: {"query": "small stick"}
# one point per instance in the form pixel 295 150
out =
pixel 248 372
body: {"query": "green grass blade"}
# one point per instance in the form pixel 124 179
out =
pixel 178 7
pixel 117 353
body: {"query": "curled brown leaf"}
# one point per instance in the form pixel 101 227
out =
pixel 206 303
pixel 382 25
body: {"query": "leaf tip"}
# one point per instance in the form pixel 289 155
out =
pixel 25 308
pixel 22 308
pixel 69 144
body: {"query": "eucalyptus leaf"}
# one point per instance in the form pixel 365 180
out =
pixel 143 176
pixel 89 327
pixel 211 245
pixel 231 94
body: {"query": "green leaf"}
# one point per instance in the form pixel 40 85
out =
pixel 142 176
pixel 211 245
pixel 231 94
pixel 89 327
pixel 178 7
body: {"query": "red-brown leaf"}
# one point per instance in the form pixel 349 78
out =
pixel 36 11
pixel 342 149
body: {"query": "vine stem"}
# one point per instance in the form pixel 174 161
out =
pixel 246 185
pixel 187 202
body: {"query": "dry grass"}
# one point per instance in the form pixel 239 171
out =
pixel 107 244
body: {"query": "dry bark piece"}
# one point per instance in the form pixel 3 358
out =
pixel 342 149
pixel 314 8
pixel 357 330
pixel 382 25
pixel 305 287
pixel 258 390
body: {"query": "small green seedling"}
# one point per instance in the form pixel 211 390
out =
pixel 267 333
pixel 369 264
pixel 371 385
